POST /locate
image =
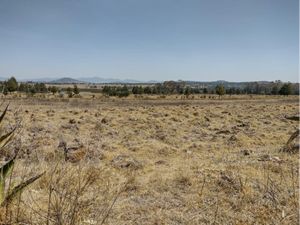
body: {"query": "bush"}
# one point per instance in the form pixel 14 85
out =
pixel 69 92
pixel 116 91
pixel 53 89
pixel 123 91
pixel 12 84
pixel 220 90
pixel 75 89
pixel 286 89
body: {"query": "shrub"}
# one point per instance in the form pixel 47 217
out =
pixel 123 91
pixel 75 89
pixel 53 89
pixel 286 89
pixel 12 84
pixel 69 92
pixel 220 90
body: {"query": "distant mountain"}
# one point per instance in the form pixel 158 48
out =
pixel 66 80
pixel 101 80
pixel 70 80
pixel 38 80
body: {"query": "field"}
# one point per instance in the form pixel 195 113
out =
pixel 159 161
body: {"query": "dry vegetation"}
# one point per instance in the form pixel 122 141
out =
pixel 155 162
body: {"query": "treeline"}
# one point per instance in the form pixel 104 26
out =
pixel 11 85
pixel 165 88
pixel 172 87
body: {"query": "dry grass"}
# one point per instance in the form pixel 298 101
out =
pixel 162 161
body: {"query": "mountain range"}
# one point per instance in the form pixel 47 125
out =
pixel 70 80
pixel 100 80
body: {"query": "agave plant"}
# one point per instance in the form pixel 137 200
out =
pixel 7 196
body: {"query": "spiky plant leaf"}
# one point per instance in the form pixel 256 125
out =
pixel 3 114
pixel 6 138
pixel 18 189
pixel 4 171
pixel 7 167
pixel 2 190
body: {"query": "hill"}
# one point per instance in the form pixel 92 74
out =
pixel 66 80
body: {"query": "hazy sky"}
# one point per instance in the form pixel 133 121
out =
pixel 235 40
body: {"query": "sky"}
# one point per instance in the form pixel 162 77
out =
pixel 204 40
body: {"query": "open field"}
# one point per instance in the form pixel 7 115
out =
pixel 159 161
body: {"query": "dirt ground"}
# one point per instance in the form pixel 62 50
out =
pixel 165 161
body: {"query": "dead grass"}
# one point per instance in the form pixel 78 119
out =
pixel 159 162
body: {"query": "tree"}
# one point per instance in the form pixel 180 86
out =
pixel 147 90
pixel 22 87
pixel 33 89
pixel 75 89
pixel 137 90
pixel 205 91
pixel 275 90
pixel 187 91
pixel 106 90
pixel 173 87
pixel 53 89
pixel 286 89
pixel 220 90
pixel 12 84
pixel 69 92
pixel 43 88
pixel 123 91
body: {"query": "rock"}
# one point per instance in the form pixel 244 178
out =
pixel 276 159
pixel 264 157
pixel 242 125
pixel 267 157
pixel 104 121
pixel 160 162
pixel 295 118
pixel 228 181
pixel 70 126
pixel 233 138
pixel 125 161
pixel 246 152
pixel 196 113
pixel 206 118
pixel 72 121
pixel 223 132
pixel 74 152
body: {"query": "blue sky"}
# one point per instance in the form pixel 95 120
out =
pixel 235 40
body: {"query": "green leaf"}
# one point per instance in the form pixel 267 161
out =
pixel 6 138
pixel 16 190
pixel 2 190
pixel 7 167
pixel 5 170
